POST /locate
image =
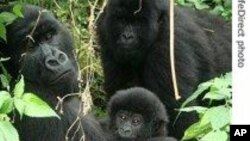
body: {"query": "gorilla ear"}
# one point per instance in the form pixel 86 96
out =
pixel 160 127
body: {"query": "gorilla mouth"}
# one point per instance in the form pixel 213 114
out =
pixel 61 76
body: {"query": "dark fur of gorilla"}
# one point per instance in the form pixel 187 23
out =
pixel 125 107
pixel 49 69
pixel 135 51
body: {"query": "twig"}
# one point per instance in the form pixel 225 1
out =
pixel 60 101
pixel 101 10
pixel 57 5
pixel 140 7
pixel 172 57
pixel 30 36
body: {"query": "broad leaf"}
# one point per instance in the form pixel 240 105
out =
pixel 8 17
pixel 218 117
pixel 195 130
pixel 20 106
pixel 35 107
pixel 6 102
pixel 215 136
pixel 19 88
pixel 4 80
pixel 17 9
pixel 8 132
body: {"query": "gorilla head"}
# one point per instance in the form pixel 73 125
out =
pixel 41 49
pixel 134 27
pixel 137 113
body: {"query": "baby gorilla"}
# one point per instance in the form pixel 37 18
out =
pixel 136 114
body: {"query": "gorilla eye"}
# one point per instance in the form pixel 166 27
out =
pixel 48 36
pixel 123 117
pixel 137 120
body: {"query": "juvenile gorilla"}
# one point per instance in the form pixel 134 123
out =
pixel 134 42
pixel 49 67
pixel 136 114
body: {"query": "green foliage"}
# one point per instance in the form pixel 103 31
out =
pixel 7 18
pixel 25 103
pixel 7 131
pixel 214 121
pixel 218 7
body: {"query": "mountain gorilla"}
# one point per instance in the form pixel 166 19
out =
pixel 134 40
pixel 136 114
pixel 49 67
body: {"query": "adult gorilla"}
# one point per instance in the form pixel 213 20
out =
pixel 134 39
pixel 47 61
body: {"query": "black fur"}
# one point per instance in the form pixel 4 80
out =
pixel 49 68
pixel 135 51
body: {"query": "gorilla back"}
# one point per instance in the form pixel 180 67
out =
pixel 135 51
pixel 41 49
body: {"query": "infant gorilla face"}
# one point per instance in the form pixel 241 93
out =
pixel 128 124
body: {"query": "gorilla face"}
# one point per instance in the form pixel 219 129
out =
pixel 129 125
pixel 45 59
pixel 136 114
pixel 128 31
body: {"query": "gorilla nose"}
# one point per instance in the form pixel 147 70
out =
pixel 56 60
pixel 127 37
pixel 126 132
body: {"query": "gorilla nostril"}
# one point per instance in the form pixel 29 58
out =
pixel 61 57
pixel 52 63
pixel 127 37
pixel 127 132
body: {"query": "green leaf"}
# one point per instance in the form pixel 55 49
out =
pixel 20 106
pixel 218 117
pixel 198 109
pixel 6 102
pixel 228 78
pixel 19 88
pixel 4 80
pixel 4 71
pixel 17 9
pixel 2 32
pixel 217 10
pixel 35 107
pixel 181 2
pixel 3 96
pixel 220 94
pixel 201 88
pixel 8 132
pixel 8 17
pixel 215 136
pixel 195 130
pixel 200 6
pixel 4 117
pixel 221 117
pixel 214 96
